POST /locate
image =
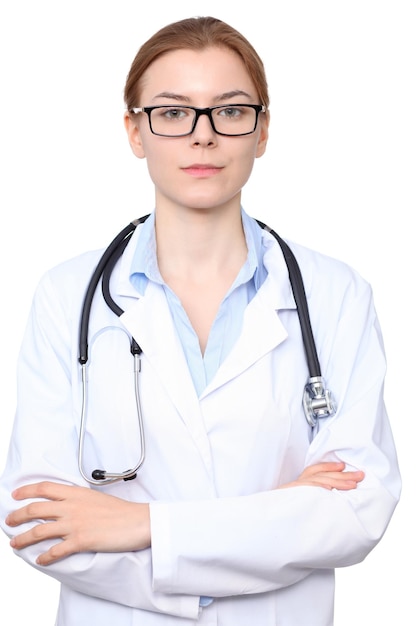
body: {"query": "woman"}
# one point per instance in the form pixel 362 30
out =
pixel 241 510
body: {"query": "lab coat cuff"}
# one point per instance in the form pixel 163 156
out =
pixel 163 565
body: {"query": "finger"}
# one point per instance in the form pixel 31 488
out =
pixel 357 476
pixel 51 556
pixel 319 468
pixel 338 480
pixel 38 533
pixel 45 489
pixel 57 552
pixel 33 511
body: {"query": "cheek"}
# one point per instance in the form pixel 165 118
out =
pixel 251 150
pixel 160 165
pixel 246 159
pixel 157 149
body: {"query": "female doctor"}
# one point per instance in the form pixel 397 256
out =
pixel 241 509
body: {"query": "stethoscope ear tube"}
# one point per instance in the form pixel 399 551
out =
pixel 114 250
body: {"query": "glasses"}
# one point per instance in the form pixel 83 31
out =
pixel 231 120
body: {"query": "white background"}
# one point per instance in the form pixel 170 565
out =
pixel 339 175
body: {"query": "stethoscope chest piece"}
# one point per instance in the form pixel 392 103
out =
pixel 317 401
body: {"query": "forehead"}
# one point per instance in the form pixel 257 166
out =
pixel 197 73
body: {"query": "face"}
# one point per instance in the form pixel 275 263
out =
pixel 203 170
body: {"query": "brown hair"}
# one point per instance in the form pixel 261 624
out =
pixel 195 33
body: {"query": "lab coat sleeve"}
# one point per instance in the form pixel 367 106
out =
pixel 269 540
pixel 44 447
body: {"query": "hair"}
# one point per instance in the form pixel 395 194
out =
pixel 196 33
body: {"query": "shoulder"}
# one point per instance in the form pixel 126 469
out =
pixel 321 273
pixel 337 294
pixel 334 290
pixel 67 281
pixel 315 265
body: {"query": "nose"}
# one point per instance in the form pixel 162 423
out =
pixel 203 132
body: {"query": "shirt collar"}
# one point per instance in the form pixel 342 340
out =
pixel 144 266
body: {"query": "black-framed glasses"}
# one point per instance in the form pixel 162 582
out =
pixel 231 120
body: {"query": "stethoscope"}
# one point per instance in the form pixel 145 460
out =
pixel 317 400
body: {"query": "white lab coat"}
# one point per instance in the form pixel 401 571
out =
pixel 219 526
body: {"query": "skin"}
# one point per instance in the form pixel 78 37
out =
pixel 198 182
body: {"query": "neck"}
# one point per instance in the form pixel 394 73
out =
pixel 199 242
pixel 200 254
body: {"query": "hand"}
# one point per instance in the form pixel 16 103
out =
pixel 330 475
pixel 83 519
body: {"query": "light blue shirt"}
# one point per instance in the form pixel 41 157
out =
pixel 227 325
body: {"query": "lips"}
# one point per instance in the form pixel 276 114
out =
pixel 202 170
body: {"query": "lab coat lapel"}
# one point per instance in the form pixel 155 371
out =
pixel 150 323
pixel 262 329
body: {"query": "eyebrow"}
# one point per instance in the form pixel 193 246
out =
pixel 227 95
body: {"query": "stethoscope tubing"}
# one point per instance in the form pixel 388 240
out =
pixel 99 476
pixel 114 249
pixel 300 298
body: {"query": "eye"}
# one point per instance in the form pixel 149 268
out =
pixel 231 112
pixel 173 113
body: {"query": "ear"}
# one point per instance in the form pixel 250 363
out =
pixel 263 135
pixel 133 135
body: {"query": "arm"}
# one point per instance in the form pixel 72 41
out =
pixel 44 448
pixel 85 520
pixel 274 539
